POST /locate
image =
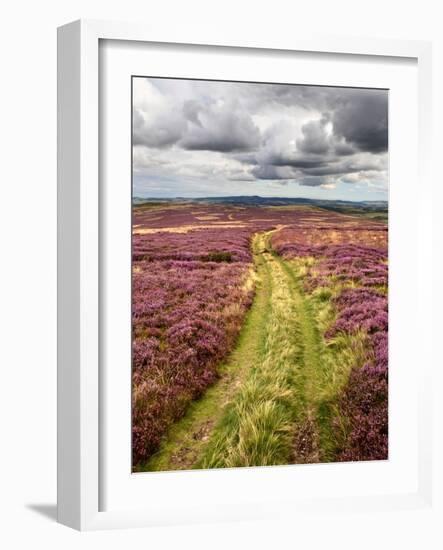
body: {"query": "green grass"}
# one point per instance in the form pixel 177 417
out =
pixel 187 438
pixel 256 428
pixel 336 358
pixel 276 400
pixel 317 413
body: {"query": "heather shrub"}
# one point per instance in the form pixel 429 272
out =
pixel 187 312
pixel 365 404
pixel 192 287
pixel 353 261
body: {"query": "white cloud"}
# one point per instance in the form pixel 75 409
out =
pixel 328 185
pixel 201 136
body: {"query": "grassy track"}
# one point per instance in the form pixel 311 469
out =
pixel 314 440
pixel 277 416
pixel 274 402
pixel 257 425
pixel 188 437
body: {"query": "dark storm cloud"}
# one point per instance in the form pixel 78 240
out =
pixel 317 98
pixel 343 149
pixel 245 158
pixel 336 144
pixel 304 162
pixel 320 138
pixel 341 167
pixel 199 126
pixel 163 131
pixel 314 136
pixel 359 117
pixel 363 122
pixel 270 172
pixel 190 111
pixel 311 171
pixel 224 128
pixel 312 181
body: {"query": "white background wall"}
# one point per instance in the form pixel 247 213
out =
pixel 28 264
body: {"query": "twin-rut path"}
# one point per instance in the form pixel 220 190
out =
pixel 265 408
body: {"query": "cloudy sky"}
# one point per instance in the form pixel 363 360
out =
pixel 196 138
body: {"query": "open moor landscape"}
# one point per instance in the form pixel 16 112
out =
pixel 260 334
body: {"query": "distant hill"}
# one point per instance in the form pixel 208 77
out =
pixel 255 200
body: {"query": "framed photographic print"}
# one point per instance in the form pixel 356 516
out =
pixel 238 235
pixel 259 274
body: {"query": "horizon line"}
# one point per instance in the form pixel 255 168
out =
pixel 254 196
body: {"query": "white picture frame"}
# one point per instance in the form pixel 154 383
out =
pixel 79 205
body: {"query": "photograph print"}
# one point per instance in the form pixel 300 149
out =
pixel 259 274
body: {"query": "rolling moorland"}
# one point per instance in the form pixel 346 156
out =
pixel 260 332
